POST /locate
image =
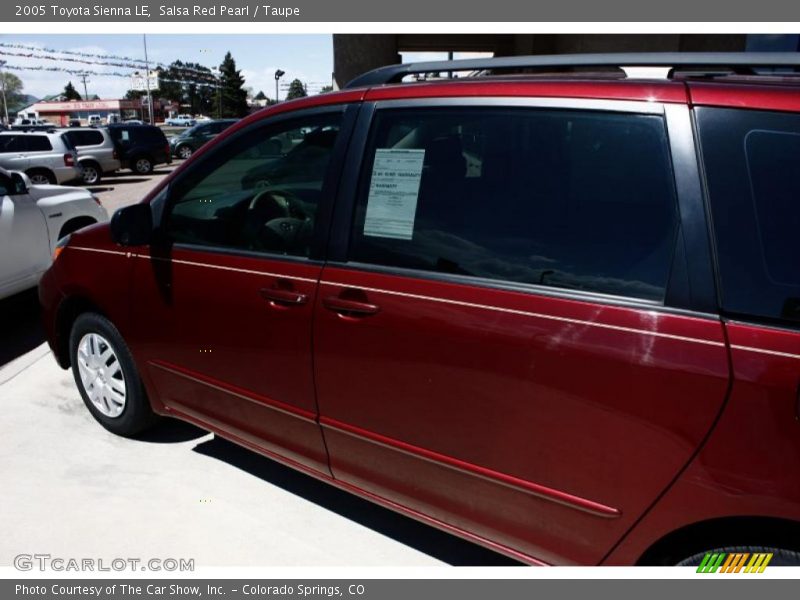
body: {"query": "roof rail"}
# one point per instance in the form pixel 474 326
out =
pixel 737 61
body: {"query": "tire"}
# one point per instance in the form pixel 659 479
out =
pixel 184 151
pixel 142 165
pixel 107 377
pixel 780 558
pixel 41 177
pixel 92 173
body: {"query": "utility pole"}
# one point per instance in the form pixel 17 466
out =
pixel 85 93
pixel 3 83
pixel 147 82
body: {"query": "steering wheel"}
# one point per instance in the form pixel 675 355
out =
pixel 277 219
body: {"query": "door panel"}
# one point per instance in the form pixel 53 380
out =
pixel 226 292
pixel 496 353
pixel 218 350
pixel 547 424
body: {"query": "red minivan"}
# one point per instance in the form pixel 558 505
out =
pixel 557 315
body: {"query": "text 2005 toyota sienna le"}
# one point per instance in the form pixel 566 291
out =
pixel 557 316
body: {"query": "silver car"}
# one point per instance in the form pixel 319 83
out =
pixel 97 154
pixel 44 156
pixel 32 219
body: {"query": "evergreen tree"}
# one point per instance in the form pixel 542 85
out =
pixel 70 93
pixel 260 96
pixel 234 96
pixel 296 90
pixel 191 85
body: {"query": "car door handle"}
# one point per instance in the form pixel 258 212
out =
pixel 349 307
pixel 284 297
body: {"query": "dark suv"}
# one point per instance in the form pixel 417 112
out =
pixel 558 315
pixel 140 147
pixel 185 144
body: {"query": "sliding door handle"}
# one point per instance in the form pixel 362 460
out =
pixel 349 307
pixel 284 297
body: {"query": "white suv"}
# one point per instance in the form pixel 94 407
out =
pixel 32 219
pixel 44 156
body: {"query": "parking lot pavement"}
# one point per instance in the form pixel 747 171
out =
pixel 125 187
pixel 71 489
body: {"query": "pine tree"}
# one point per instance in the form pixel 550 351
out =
pixel 260 96
pixel 70 93
pixel 296 90
pixel 234 96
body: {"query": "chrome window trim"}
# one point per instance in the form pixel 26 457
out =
pixel 531 289
pixel 622 106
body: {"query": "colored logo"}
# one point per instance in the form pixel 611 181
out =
pixel 734 562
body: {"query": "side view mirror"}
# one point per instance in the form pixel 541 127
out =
pixel 132 225
pixel 21 183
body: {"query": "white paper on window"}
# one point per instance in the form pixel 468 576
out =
pixel 393 193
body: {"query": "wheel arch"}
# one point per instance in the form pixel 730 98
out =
pixel 721 532
pixel 68 311
pixel 74 223
pixel 33 170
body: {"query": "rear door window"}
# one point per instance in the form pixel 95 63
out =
pixel 12 143
pixel 85 138
pixel 752 166
pixel 38 143
pixel 566 199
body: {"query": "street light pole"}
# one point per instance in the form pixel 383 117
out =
pixel 278 75
pixel 147 81
pixel 3 84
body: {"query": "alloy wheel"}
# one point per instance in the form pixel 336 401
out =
pixel 143 166
pixel 90 175
pixel 39 179
pixel 101 375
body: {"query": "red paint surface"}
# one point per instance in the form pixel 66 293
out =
pixel 553 430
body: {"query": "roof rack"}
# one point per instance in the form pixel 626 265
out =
pixel 739 62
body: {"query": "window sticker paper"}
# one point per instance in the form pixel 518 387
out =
pixel 393 193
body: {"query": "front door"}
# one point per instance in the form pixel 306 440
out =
pixel 494 348
pixel 224 298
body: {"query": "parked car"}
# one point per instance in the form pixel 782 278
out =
pixel 133 122
pixel 74 123
pixel 45 157
pixel 184 145
pixel 31 125
pixel 181 121
pixel 140 147
pixel 556 315
pixel 29 122
pixel 95 120
pixel 32 220
pixel 97 154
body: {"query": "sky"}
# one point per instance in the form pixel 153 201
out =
pixel 308 57
pixel 305 57
pixel 302 56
